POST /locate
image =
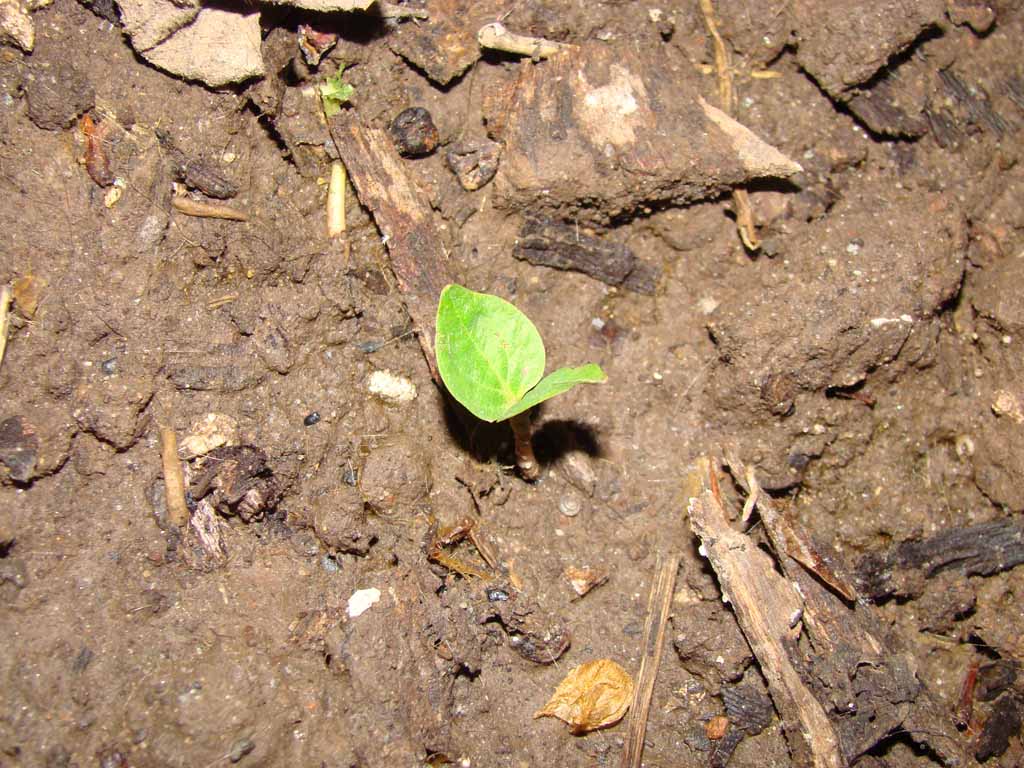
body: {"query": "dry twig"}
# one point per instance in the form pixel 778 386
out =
pixel 727 96
pixel 174 481
pixel 654 643
pixel 191 207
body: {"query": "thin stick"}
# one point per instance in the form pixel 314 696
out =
pixel 174 482
pixel 654 643
pixel 5 308
pixel 207 210
pixel 727 97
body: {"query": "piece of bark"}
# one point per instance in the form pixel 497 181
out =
pixel 444 45
pixel 880 110
pixel 1002 724
pixel 403 216
pixel 596 132
pixel 848 684
pixel 548 243
pixel 974 550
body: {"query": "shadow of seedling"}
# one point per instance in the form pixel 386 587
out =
pixel 558 437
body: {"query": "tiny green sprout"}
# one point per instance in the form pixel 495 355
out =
pixel 491 358
pixel 334 92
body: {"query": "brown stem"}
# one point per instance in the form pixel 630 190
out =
pixel 525 460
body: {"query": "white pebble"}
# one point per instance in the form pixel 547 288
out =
pixel 361 601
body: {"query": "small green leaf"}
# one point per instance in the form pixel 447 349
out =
pixel 491 357
pixel 334 92
pixel 556 383
pixel 489 354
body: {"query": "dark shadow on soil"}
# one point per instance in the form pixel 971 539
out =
pixel 558 437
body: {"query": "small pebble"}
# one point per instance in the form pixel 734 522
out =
pixel 311 419
pixel 330 564
pixel 109 366
pixel 362 600
pixel 241 748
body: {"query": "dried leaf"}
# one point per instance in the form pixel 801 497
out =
pixel 593 695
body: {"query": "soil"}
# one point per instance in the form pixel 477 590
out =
pixel 866 362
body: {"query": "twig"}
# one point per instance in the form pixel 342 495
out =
pixel 395 11
pixel 174 482
pixel 654 643
pixel 221 301
pixel 745 224
pixel 5 309
pixel 192 207
pixel 336 200
pixel 496 37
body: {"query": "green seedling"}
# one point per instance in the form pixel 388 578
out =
pixel 335 92
pixel 491 358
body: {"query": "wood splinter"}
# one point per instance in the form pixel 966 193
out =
pixel 191 207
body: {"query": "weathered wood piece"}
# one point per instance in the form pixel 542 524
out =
pixel 553 244
pixel 594 133
pixel 839 680
pixel 403 216
pixel 975 550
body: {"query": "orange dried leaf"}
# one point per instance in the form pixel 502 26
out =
pixel 593 695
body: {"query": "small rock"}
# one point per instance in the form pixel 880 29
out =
pixel 474 163
pixel 211 431
pixel 240 749
pixel 391 387
pixel 19 450
pixel 414 132
pixel 362 600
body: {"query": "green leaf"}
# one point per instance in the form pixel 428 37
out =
pixel 491 357
pixel 334 92
pixel 489 354
pixel 556 383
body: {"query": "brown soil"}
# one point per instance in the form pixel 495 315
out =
pixel 867 363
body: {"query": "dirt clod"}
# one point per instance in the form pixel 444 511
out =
pixel 414 132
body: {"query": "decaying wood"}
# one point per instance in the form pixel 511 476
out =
pixel 658 605
pixel 840 681
pixel 174 481
pixel 404 217
pixel 553 244
pixel 769 610
pixel 975 550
